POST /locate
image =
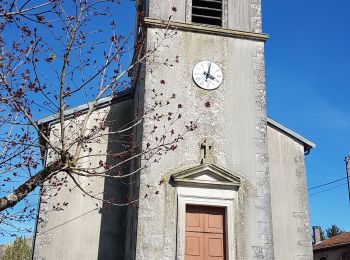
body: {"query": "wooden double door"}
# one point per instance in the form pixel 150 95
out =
pixel 205 233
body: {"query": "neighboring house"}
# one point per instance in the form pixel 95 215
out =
pixel 334 248
pixel 235 188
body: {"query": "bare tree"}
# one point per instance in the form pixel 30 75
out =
pixel 18 250
pixel 55 55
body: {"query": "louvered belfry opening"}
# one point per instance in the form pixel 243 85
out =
pixel 207 12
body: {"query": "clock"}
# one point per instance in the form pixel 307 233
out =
pixel 207 75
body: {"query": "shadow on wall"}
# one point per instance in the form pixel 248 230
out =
pixel 114 218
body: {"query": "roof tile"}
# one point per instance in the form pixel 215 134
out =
pixel 342 239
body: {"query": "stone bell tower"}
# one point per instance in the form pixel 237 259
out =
pixel 214 197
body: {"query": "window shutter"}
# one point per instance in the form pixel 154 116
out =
pixel 207 12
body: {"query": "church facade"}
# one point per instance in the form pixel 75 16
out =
pixel 234 188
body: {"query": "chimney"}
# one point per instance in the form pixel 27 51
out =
pixel 316 234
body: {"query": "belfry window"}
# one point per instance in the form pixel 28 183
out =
pixel 207 12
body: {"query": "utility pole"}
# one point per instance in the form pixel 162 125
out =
pixel 347 160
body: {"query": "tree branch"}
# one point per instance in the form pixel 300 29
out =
pixel 23 190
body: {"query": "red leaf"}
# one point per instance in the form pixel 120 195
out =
pixel 40 18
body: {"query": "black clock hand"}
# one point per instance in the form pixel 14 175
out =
pixel 207 75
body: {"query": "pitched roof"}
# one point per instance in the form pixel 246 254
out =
pixel 339 240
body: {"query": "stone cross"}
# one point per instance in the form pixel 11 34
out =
pixel 207 151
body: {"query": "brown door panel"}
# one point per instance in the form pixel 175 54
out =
pixel 194 246
pixel 205 238
pixel 214 220
pixel 195 218
pixel 214 245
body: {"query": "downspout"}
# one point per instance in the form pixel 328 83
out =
pixel 307 150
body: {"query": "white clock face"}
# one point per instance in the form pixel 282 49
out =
pixel 207 75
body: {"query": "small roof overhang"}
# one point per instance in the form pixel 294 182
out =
pixel 308 145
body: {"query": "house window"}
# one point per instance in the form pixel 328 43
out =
pixel 205 232
pixel 207 12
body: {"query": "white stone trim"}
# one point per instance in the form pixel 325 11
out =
pixel 207 175
pixel 207 197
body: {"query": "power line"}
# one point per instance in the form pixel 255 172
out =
pixel 325 184
pixel 329 189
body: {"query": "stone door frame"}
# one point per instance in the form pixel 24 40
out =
pixel 225 198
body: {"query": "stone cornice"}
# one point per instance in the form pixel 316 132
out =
pixel 151 22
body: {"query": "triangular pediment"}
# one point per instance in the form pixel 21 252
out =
pixel 206 175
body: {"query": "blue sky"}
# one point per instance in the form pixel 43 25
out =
pixel 307 73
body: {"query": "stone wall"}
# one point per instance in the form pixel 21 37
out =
pixel 236 122
pixel 81 230
pixel 241 15
pixel 290 211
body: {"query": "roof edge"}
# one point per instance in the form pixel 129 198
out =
pixel 328 247
pixel 308 145
pixel 103 102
